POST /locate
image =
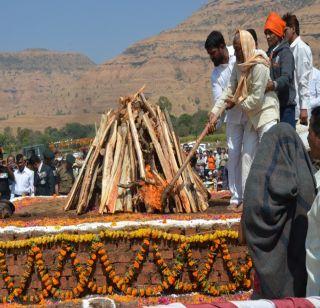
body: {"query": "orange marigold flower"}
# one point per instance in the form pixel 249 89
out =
pixel 148 291
pixel 171 280
pixel 142 292
pixel 62 252
pixel 136 264
pixel 101 252
pixel 134 292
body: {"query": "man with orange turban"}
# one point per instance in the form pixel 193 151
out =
pixel 282 68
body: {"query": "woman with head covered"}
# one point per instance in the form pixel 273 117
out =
pixel 247 88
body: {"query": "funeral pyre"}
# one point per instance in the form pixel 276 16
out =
pixel 133 157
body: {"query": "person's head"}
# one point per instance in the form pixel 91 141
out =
pixel 274 29
pixel 21 162
pixel 314 134
pixel 216 47
pixel 292 29
pixel 10 160
pixel 48 156
pixel 244 46
pixel 70 160
pixel 254 35
pixel 35 162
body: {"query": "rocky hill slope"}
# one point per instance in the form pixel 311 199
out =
pixel 172 64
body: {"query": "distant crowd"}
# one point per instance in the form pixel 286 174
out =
pixel 52 175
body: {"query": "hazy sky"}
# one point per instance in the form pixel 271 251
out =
pixel 101 29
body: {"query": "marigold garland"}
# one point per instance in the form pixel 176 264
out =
pixel 84 273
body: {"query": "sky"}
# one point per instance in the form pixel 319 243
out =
pixel 100 29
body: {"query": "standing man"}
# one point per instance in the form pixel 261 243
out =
pixel 314 89
pixel 282 68
pixel 65 175
pixel 313 241
pixel 6 175
pixel 44 182
pixel 23 178
pixel 303 67
pixel 224 59
pixel 48 158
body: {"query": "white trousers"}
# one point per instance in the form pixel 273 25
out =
pixel 235 134
pixel 251 139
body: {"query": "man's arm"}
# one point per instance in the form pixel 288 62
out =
pixel 31 183
pixel 51 181
pixel 229 91
pixel 304 72
pixel 287 71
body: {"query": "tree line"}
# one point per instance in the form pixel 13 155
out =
pixel 184 125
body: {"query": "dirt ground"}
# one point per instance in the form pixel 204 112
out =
pixel 54 208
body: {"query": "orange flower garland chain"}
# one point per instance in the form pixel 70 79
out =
pixel 84 273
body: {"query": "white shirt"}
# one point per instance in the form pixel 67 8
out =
pixel 220 80
pixel 315 88
pixel 24 182
pixel 313 245
pixel 302 75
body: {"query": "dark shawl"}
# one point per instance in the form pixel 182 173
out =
pixel 279 192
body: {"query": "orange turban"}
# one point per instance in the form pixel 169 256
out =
pixel 275 24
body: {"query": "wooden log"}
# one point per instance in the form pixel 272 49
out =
pixel 122 201
pixel 162 159
pixel 102 134
pixel 111 171
pixel 74 193
pixel 187 199
pixel 113 195
pixel 107 165
pixel 136 143
pixel 148 106
pixel 190 175
pixel 133 162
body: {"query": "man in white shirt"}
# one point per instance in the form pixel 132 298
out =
pixel 224 59
pixel 314 89
pixel 303 67
pixel 313 234
pixel 24 177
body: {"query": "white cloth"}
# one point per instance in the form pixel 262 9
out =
pixel 24 182
pixel 313 245
pixel 234 141
pixel 251 139
pixel 220 79
pixel 235 127
pixel 302 75
pixel 315 88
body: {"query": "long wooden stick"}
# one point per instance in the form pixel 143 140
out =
pixel 135 138
pixel 186 162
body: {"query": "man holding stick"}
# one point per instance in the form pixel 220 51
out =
pixel 224 59
pixel 246 90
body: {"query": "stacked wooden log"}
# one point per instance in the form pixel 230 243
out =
pixel 133 157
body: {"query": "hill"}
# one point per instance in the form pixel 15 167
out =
pixel 172 64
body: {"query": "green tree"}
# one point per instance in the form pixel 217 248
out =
pixel 164 103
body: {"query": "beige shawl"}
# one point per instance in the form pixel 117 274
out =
pixel 251 58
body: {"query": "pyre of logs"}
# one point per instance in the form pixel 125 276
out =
pixel 133 157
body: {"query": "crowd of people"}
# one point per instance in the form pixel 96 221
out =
pixel 211 166
pixel 273 179
pixel 52 175
pixel 260 89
